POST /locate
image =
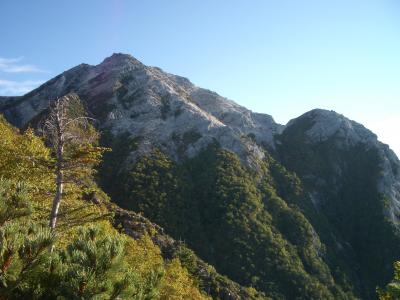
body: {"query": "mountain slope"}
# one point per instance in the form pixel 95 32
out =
pixel 353 182
pixel 164 109
pixel 308 210
pixel 158 266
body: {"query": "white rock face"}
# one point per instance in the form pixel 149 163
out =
pixel 165 110
pixel 170 112
pixel 389 183
pixel 326 124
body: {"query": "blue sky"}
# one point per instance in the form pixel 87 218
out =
pixel 278 57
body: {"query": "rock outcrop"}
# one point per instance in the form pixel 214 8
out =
pixel 165 110
pixel 332 171
pixel 322 126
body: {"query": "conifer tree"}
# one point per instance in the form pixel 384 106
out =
pixel 92 267
pixel 73 140
pixel 23 243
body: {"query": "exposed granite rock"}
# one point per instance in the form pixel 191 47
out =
pixel 323 125
pixel 127 96
pixel 162 109
pixel 326 124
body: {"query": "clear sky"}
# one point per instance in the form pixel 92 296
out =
pixel 277 57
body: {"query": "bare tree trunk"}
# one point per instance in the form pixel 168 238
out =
pixel 59 173
pixel 57 199
pixel 64 127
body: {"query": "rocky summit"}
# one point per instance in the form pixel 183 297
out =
pixel 168 111
pixel 306 210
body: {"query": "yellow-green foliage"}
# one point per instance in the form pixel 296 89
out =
pixel 23 157
pixel 143 255
pixel 145 258
pixel 176 283
pixel 25 160
pixel 392 290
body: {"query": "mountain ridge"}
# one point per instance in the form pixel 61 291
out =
pixel 164 95
pixel 236 128
pixel 322 176
pixel 161 97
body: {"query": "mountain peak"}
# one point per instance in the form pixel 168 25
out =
pixel 120 59
pixel 322 124
pixel 161 109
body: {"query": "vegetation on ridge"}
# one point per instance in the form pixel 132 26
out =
pixel 234 219
pixel 268 227
pixel 345 184
pixel 90 258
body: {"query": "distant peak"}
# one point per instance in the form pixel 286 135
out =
pixel 328 123
pixel 120 55
pixel 121 58
pixel 318 112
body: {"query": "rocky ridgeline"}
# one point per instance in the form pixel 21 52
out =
pixel 162 110
pixel 320 126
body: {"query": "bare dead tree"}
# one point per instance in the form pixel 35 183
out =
pixel 68 130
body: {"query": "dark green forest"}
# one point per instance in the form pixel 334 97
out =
pixel 205 227
pixel 260 227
